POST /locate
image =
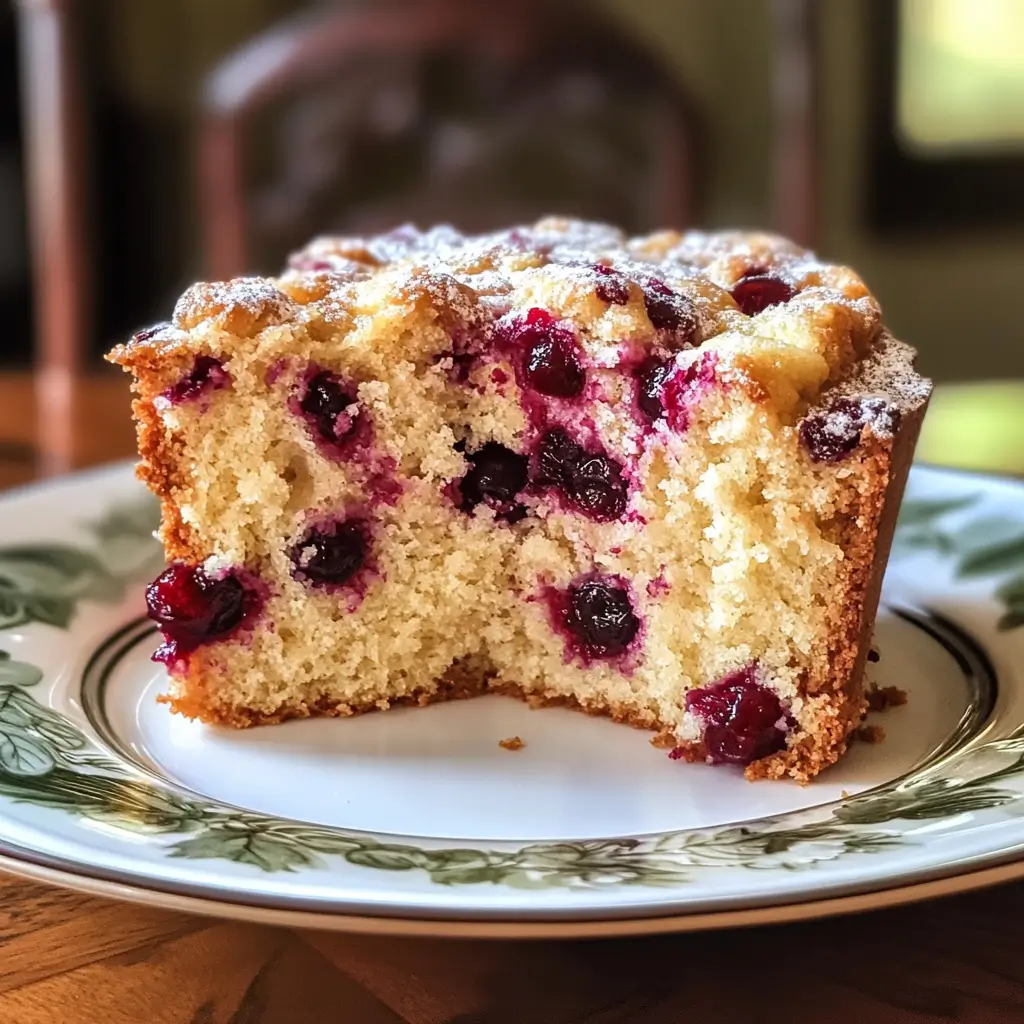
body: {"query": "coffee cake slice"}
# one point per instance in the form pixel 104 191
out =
pixel 653 478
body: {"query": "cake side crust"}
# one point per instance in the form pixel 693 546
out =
pixel 241 717
pixel 837 705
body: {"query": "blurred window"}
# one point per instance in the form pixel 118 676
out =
pixel 946 86
pixel 960 75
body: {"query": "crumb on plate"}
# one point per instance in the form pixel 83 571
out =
pixel 664 740
pixel 880 698
pixel 870 734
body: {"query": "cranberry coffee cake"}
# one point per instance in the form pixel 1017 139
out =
pixel 653 478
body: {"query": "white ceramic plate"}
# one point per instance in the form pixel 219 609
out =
pixel 417 821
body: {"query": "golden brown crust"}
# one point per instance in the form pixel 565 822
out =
pixel 160 469
pixel 837 704
pixel 196 703
pixel 155 358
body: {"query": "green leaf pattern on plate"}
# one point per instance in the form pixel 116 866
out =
pixel 45 582
pixel 47 760
pixel 981 548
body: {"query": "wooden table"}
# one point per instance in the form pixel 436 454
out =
pixel 74 959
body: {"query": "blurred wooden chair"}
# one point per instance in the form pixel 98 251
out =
pixel 350 86
pixel 479 114
pixel 53 127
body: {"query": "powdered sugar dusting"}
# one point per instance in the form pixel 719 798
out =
pixel 258 299
pixel 682 279
pixel 888 372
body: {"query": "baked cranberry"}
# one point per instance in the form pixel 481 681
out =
pixel 832 434
pixel 326 402
pixel 556 457
pixel 612 287
pixel 148 333
pixel 550 360
pixel 755 292
pixel 743 721
pixel 683 387
pixel 670 311
pixel 207 374
pixel 591 481
pixel 496 477
pixel 192 608
pixel 650 380
pixel 599 615
pixel 331 555
pixel 598 489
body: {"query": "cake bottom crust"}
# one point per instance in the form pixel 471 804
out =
pixel 832 720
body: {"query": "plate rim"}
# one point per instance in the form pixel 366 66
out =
pixel 891 889
pixel 528 929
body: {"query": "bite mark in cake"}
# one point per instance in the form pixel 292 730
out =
pixel 652 478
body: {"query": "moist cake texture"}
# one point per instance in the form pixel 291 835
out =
pixel 653 478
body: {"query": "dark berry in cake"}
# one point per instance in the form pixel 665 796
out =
pixel 207 374
pixel 600 617
pixel 331 555
pixel 555 458
pixel 650 380
pixel 151 332
pixel 597 488
pixel 496 477
pixel 743 721
pixel 612 287
pixel 550 360
pixel 834 433
pixel 192 607
pixel 671 311
pixel 590 480
pixel 755 292
pixel 326 402
pixel 683 388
